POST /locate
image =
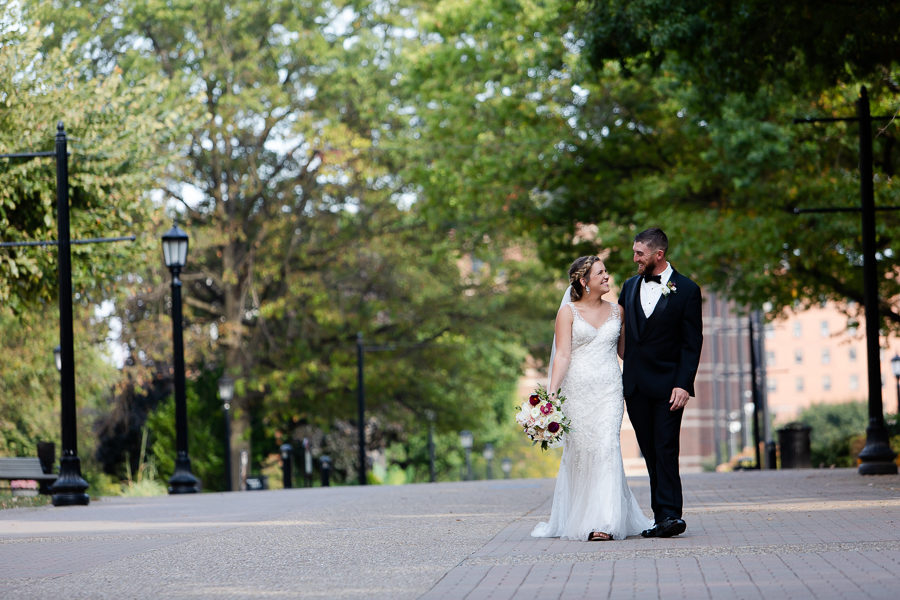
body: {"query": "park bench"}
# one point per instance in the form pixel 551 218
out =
pixel 27 468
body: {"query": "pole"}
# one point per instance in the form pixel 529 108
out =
pixel 361 407
pixel 182 480
pixel 228 478
pixel 70 488
pixel 714 353
pixel 876 458
pixel 432 476
pixel 754 389
pixel 287 470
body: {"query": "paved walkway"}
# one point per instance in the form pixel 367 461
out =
pixel 771 534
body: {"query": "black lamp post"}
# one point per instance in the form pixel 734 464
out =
pixel 465 440
pixel 175 247
pixel 895 367
pixel 226 393
pixel 506 467
pixel 488 454
pixel 70 488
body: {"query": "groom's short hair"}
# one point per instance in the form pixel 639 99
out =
pixel 655 238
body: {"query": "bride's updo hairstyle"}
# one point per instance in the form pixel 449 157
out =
pixel 579 270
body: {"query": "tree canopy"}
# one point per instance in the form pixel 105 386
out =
pixel 724 47
pixel 422 173
pixel 119 137
pixel 302 234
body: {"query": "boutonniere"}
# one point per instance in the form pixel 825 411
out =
pixel 669 288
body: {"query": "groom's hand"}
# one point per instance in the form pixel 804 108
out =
pixel 679 398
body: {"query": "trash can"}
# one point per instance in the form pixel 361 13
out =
pixel 793 439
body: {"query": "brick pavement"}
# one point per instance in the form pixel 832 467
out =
pixel 772 534
pixel 785 534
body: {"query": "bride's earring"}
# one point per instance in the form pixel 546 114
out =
pixel 587 289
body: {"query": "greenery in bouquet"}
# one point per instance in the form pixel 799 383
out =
pixel 542 419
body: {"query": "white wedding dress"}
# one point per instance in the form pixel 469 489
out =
pixel 591 492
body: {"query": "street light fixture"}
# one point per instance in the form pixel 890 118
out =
pixel 488 454
pixel 466 440
pixel 175 247
pixel 895 367
pixel 506 467
pixel 226 394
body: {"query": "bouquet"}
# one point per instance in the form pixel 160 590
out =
pixel 542 419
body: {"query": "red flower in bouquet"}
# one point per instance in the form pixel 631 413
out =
pixel 534 399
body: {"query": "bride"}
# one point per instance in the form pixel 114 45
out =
pixel 592 500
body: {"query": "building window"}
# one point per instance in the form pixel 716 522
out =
pixel 770 331
pixel 824 329
pixel 854 382
pixel 826 356
pixel 798 329
pixel 798 356
pixel 770 384
pixel 770 357
pixel 826 383
pixel 852 354
pixel 798 385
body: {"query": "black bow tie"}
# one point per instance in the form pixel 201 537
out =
pixel 656 278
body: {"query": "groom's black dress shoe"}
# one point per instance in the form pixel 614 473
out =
pixel 668 527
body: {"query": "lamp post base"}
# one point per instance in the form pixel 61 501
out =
pixel 69 489
pixel 877 458
pixel 183 481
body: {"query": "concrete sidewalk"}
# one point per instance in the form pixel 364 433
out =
pixel 770 534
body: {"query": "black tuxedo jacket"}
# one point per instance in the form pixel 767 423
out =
pixel 662 351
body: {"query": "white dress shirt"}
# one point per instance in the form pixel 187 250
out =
pixel 652 291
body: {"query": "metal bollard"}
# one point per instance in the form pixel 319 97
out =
pixel 771 455
pixel 307 463
pixel 286 469
pixel 325 463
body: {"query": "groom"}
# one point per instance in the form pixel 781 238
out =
pixel 663 336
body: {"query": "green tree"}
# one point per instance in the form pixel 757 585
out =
pixel 29 381
pixel 118 135
pixel 728 81
pixel 117 142
pixel 529 136
pixel 206 433
pixel 302 230
pixel 747 45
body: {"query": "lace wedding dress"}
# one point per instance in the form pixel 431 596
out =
pixel 591 492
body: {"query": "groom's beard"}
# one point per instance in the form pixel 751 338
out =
pixel 648 267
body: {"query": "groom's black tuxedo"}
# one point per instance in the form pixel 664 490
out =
pixel 662 352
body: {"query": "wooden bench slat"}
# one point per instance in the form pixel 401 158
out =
pixel 24 467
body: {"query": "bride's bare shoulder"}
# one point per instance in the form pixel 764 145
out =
pixel 566 311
